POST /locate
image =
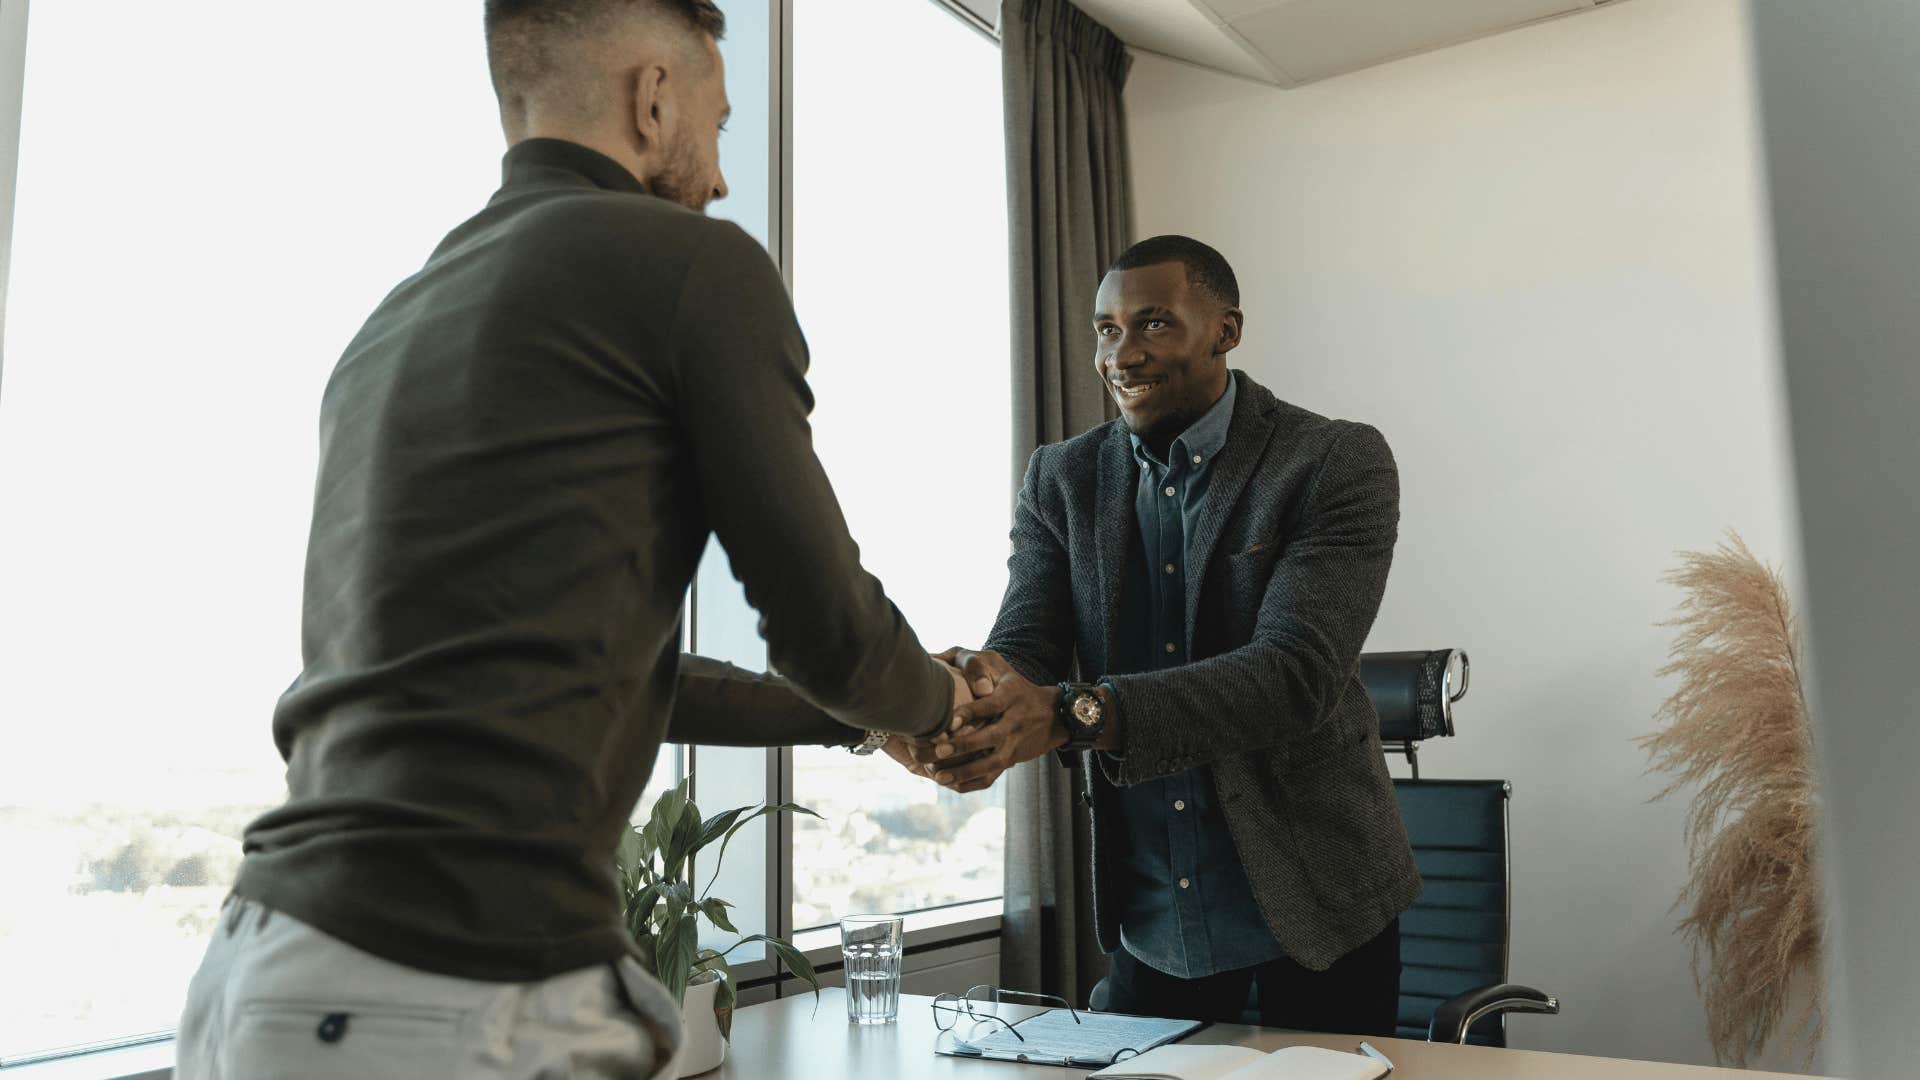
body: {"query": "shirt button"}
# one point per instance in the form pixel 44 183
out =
pixel 1196 459
pixel 1179 804
pixel 1169 646
pixel 1169 490
pixel 1169 568
pixel 1183 883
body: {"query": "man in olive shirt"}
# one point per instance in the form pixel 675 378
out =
pixel 523 453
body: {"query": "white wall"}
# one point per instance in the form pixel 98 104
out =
pixel 1536 262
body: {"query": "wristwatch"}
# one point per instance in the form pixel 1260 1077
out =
pixel 1083 713
pixel 874 741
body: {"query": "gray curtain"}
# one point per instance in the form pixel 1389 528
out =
pixel 1069 215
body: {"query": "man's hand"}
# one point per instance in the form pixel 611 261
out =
pixel 982 670
pixel 901 748
pixel 1010 721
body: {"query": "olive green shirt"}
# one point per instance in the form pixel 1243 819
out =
pixel 522 455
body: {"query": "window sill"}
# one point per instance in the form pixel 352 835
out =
pixel 926 930
pixel 151 1060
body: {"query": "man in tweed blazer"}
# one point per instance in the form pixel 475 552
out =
pixel 1207 569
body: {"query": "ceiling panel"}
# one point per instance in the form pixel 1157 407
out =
pixel 1288 42
pixel 1312 39
pixel 1180 29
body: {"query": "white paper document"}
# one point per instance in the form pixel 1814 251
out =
pixel 1053 1037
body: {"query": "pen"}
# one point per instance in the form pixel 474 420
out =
pixel 1367 1049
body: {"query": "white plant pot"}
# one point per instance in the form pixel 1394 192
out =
pixel 702 1049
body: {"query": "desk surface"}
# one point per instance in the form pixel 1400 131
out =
pixel 788 1039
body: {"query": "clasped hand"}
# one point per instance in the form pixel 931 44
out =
pixel 999 720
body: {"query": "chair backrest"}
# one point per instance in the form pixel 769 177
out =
pixel 1413 693
pixel 1455 937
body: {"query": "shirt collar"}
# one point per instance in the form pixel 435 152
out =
pixel 1204 438
pixel 530 157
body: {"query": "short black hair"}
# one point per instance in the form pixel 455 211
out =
pixel 1207 269
pixel 522 34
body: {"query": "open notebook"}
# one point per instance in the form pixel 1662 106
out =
pixel 1241 1063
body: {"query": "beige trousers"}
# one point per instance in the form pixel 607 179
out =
pixel 275 997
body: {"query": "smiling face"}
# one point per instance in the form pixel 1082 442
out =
pixel 1161 348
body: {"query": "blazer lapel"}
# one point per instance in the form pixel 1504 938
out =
pixel 1251 427
pixel 1113 522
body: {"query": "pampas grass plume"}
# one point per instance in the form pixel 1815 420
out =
pixel 1736 731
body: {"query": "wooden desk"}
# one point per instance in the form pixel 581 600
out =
pixel 788 1040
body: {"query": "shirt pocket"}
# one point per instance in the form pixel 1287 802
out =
pixel 271 1040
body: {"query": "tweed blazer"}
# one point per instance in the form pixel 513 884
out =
pixel 1284 577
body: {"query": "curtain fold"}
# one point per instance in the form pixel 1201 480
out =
pixel 1069 215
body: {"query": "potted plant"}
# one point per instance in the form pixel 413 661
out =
pixel 655 861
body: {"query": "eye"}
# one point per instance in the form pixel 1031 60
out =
pixel 1107 331
pixel 1155 324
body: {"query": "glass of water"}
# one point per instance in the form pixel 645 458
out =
pixel 870 945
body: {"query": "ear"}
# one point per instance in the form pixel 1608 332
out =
pixel 650 106
pixel 1231 322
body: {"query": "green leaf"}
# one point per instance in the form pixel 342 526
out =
pixel 686 833
pixel 646 953
pixel 714 827
pixel 723 1005
pixel 630 855
pixel 668 809
pixel 798 961
pixel 640 909
pixel 716 913
pixel 783 808
pixel 792 957
pixel 675 956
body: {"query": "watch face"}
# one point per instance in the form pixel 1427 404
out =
pixel 1086 710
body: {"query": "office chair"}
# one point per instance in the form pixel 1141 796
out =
pixel 1454 941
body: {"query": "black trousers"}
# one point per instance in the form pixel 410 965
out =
pixel 1358 995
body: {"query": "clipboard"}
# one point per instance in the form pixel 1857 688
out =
pixel 1050 1037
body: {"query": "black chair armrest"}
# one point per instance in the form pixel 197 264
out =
pixel 1458 1013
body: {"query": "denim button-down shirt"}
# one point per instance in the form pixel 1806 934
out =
pixel 1185 905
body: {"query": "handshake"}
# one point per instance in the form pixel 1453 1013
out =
pixel 999 720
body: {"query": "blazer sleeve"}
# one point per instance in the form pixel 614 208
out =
pixel 1314 617
pixel 1034 631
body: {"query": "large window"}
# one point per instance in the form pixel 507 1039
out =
pixel 188 259
pixel 900 278
pixel 211 198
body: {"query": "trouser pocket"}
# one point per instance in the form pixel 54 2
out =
pixel 298 1039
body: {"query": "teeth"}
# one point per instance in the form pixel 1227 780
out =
pixel 1135 391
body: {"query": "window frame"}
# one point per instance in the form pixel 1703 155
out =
pixel 13 74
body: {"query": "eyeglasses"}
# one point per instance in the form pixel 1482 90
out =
pixel 977 1005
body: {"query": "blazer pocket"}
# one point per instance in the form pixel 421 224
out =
pixel 1268 547
pixel 1346 826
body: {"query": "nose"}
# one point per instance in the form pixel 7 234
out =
pixel 1129 353
pixel 719 186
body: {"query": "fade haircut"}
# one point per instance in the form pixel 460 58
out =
pixel 1207 270
pixel 528 41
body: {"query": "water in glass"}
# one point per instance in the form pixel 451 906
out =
pixel 870 946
